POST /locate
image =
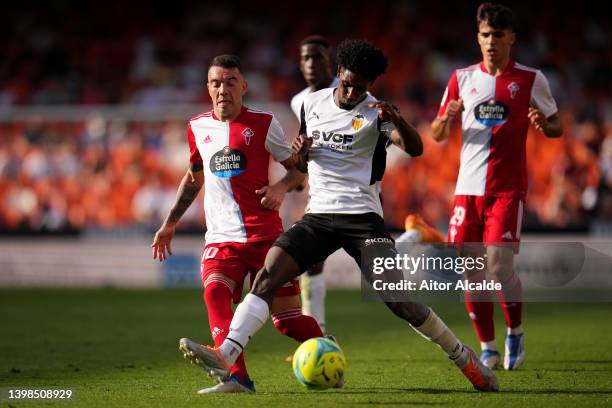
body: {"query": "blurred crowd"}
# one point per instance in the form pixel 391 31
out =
pixel 100 173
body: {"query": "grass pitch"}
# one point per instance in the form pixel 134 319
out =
pixel 119 349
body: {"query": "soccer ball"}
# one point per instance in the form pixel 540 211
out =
pixel 319 364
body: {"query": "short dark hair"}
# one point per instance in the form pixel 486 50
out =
pixel 317 40
pixel 496 15
pixel 361 58
pixel 226 61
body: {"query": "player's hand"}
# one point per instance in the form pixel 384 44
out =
pixel 453 109
pixel 161 242
pixel 301 145
pixel 537 118
pixel 272 196
pixel 387 111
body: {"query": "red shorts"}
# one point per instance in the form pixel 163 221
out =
pixel 486 219
pixel 236 260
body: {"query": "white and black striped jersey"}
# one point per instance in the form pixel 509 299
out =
pixel 348 154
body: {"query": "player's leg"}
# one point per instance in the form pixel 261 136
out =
pixel 503 225
pixel 420 317
pixel 222 275
pixel 286 313
pixel 466 229
pixel 312 283
pixel 285 309
pixel 293 252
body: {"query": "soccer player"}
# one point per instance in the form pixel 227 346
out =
pixel 316 67
pixel 230 147
pixel 495 100
pixel 343 135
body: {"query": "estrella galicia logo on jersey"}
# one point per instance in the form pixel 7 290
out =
pixel 248 134
pixel 332 140
pixel 357 121
pixel 491 113
pixel 228 163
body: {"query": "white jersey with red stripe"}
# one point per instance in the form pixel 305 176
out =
pixel 494 125
pixel 236 158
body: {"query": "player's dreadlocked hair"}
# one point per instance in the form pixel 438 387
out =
pixel 361 58
pixel 496 15
pixel 226 61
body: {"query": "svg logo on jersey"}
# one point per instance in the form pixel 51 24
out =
pixel 357 121
pixel 248 134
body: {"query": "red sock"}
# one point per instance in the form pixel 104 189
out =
pixel 511 300
pixel 218 298
pixel 481 313
pixel 294 324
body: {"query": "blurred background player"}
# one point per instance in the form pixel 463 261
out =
pixel 344 210
pixel 496 100
pixel 316 68
pixel 230 148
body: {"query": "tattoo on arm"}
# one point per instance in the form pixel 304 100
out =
pixel 187 192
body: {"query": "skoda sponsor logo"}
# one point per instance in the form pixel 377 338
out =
pixel 371 241
pixel 227 163
pixel 491 113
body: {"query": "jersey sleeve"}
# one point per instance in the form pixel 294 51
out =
pixel 451 93
pixel 276 142
pixel 195 160
pixel 385 127
pixel 541 96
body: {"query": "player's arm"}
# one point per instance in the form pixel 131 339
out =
pixel 402 134
pixel 274 194
pixel 442 125
pixel 188 190
pixel 543 112
pixel 278 146
pixel 550 126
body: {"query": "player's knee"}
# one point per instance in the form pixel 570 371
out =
pixel 264 286
pixel 316 269
pixel 217 286
pixel 498 270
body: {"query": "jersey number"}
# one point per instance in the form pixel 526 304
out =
pixel 210 252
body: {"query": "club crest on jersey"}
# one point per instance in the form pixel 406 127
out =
pixel 227 163
pixel 357 121
pixel 513 88
pixel 248 134
pixel 491 113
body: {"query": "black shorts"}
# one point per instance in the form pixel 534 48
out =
pixel 316 236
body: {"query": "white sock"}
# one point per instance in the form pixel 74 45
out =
pixel 434 329
pixel 515 330
pixel 316 304
pixel 250 316
pixel 488 345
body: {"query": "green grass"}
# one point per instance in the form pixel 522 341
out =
pixel 119 349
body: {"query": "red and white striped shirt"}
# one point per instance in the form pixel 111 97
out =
pixel 236 158
pixel 494 125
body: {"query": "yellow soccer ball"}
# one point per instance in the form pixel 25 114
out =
pixel 319 364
